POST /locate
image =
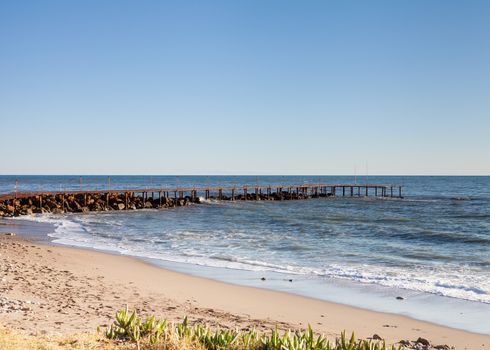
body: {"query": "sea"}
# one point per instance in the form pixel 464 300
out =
pixel 426 255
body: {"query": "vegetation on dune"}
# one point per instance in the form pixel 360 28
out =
pixel 152 333
pixel 12 340
pixel 130 332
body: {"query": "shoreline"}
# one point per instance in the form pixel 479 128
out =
pixel 170 294
pixel 439 310
pixel 464 315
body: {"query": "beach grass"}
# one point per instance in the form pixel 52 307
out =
pixel 153 333
pixel 13 340
pixel 130 332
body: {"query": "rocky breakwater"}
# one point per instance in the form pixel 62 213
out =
pixel 86 202
pixel 272 196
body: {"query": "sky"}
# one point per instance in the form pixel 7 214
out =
pixel 245 87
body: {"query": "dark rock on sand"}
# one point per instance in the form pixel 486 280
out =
pixel 404 342
pixel 423 341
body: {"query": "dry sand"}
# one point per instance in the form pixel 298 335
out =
pixel 50 289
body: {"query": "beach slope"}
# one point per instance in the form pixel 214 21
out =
pixel 48 289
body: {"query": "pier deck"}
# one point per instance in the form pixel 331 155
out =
pixel 233 193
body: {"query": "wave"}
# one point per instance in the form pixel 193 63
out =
pixel 441 279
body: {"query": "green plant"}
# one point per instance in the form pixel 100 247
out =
pixel 153 332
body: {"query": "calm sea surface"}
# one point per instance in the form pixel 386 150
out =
pixel 434 243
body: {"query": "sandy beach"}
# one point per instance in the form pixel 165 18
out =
pixel 60 290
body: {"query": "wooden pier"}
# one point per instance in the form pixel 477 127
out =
pixel 22 203
pixel 237 193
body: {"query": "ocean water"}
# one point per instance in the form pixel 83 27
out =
pixel 432 246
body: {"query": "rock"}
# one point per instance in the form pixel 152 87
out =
pixel 77 206
pixel 10 209
pixel 377 337
pixel 148 205
pixel 423 341
pixel 404 342
pixel 400 298
pixel 290 280
pixel 9 234
pixel 29 211
pixel 121 206
pixel 262 279
pixel 442 347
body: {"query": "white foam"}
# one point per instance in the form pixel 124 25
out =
pixel 456 282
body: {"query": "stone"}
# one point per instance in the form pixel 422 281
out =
pixel 77 206
pixel 148 205
pixel 442 347
pixel 9 234
pixel 404 342
pixel 376 337
pixel 10 208
pixel 400 298
pixel 121 206
pixel 423 341
pixel 262 279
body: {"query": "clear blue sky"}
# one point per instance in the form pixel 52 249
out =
pixel 245 87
